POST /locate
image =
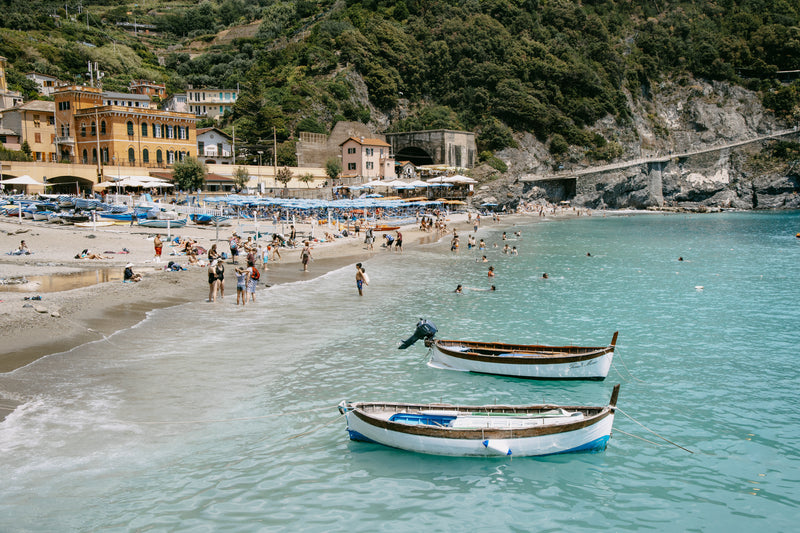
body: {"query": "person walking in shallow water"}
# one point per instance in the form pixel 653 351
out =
pixel 305 255
pixel 361 279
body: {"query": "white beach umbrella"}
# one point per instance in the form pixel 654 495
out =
pixel 458 178
pixel 22 180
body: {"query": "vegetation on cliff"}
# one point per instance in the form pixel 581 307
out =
pixel 550 67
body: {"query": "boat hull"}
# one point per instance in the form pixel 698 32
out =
pixel 531 362
pixel 162 224
pixel 589 434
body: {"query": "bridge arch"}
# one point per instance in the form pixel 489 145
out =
pixel 416 155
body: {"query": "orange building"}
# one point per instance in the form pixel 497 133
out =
pixel 123 135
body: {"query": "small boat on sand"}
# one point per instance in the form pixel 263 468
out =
pixel 485 430
pixel 158 223
pixel 532 361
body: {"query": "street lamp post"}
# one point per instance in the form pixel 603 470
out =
pixel 260 152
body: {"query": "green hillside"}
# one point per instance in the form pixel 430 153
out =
pixel 550 67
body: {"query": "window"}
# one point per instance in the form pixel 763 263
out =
pixel 370 165
pixel 159 157
pixel 85 158
pixel 51 120
pixel 201 146
pixel 94 155
pixel 351 166
pixel 145 156
pixel 144 129
pixel 103 128
pixel 369 151
pixel 63 106
pixel 104 152
pixel 37 137
pixel 83 129
pixel 170 132
pixel 36 121
pixel 351 150
pixel 130 128
pixel 131 156
pixel 157 131
pixel 219 149
pixel 94 129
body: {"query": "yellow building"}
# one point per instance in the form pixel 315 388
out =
pixel 124 133
pixel 33 123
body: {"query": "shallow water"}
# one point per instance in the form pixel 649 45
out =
pixel 66 282
pixel 210 417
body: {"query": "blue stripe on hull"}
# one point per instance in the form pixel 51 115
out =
pixel 597 445
pixel 355 435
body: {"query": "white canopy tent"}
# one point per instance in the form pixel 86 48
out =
pixel 22 180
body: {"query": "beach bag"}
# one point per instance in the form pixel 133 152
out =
pixel 256 275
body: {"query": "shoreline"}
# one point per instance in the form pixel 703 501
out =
pixel 66 319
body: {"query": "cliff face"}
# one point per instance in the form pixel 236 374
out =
pixel 686 143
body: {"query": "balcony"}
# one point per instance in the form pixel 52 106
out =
pixel 65 140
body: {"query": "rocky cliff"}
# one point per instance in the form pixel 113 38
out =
pixel 682 148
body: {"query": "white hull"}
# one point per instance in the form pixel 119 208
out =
pixel 596 368
pixel 591 438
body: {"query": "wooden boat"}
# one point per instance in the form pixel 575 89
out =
pixel 486 430
pixel 517 360
pixel 158 223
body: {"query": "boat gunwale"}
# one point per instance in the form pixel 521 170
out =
pixel 536 357
pixel 594 415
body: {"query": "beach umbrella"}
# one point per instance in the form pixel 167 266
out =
pixel 419 183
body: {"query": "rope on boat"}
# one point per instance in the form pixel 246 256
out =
pixel 638 437
pixel 312 430
pixel 653 432
pixel 617 351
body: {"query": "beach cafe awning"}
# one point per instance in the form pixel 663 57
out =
pixel 22 180
pixel 458 178
pixel 419 183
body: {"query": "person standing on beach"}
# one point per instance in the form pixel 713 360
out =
pixel 213 281
pixel 234 244
pixel 242 277
pixel 220 270
pixel 252 280
pixel 305 255
pixel 158 246
pixel 361 279
pixel 370 239
pixel 398 242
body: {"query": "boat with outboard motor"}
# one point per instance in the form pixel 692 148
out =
pixel 532 361
pixel 485 430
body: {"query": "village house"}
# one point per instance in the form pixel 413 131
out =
pixel 46 84
pixel 214 146
pixel 367 158
pixel 32 122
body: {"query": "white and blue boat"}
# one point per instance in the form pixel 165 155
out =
pixel 482 431
pixel 159 223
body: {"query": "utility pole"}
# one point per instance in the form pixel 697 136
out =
pixel 275 156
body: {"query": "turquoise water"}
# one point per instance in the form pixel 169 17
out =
pixel 211 418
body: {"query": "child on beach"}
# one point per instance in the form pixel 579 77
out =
pixel 242 277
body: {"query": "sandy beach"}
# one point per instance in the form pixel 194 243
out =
pixel 84 300
pixel 67 316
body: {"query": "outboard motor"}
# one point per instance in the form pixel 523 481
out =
pixel 425 330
